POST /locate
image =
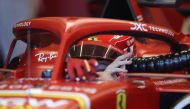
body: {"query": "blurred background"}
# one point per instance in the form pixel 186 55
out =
pixel 12 11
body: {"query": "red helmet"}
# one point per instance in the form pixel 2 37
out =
pixel 103 47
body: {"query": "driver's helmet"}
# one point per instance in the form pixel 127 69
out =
pixel 104 48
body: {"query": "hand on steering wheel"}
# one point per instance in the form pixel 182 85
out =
pixel 118 65
pixel 116 70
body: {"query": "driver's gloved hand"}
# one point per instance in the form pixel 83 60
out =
pixel 118 65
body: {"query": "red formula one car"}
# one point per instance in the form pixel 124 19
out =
pixel 57 70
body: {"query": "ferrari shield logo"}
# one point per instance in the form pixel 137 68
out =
pixel 121 100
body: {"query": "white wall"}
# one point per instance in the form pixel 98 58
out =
pixel 12 11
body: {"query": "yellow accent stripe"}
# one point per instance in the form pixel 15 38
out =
pixel 29 107
pixel 17 107
pixel 3 107
pixel 48 94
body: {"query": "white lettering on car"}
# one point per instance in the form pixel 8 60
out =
pixel 138 26
pixel 16 86
pixel 73 88
pixel 167 82
pixel 42 58
pixel 43 98
pixel 49 103
pixel 23 24
pixel 162 30
pixel 145 28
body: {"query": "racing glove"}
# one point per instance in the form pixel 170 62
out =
pixel 115 70
pixel 118 65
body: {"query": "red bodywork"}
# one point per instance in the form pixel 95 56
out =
pixel 32 91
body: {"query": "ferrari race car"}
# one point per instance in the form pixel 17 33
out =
pixel 58 66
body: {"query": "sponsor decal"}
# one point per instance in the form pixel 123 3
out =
pixel 42 58
pixel 138 26
pixel 46 97
pixel 168 82
pixel 88 90
pixel 139 83
pixel 32 79
pixel 162 30
pixel 145 28
pixel 30 103
pixel 23 24
pixel 73 88
pixel 121 99
pixel 17 86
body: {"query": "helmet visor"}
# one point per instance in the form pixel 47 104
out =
pixel 94 50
